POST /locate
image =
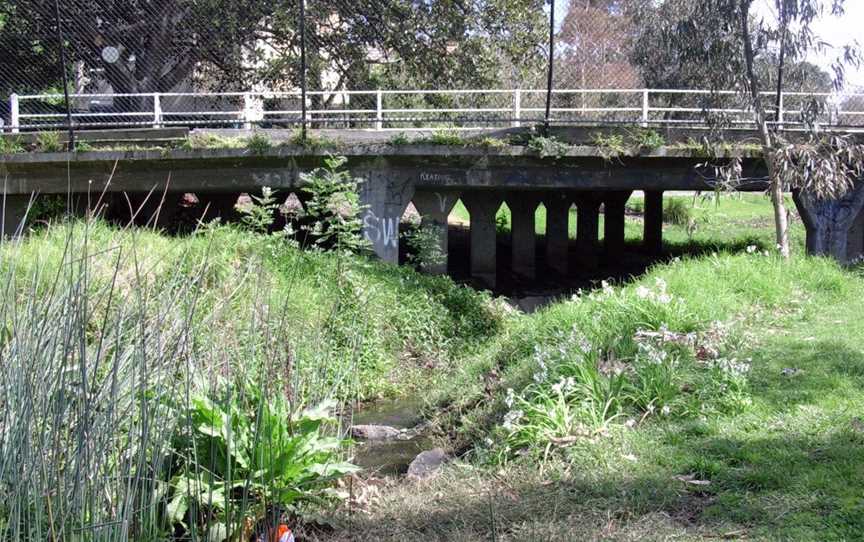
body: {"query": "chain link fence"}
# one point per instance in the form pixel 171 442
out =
pixel 374 64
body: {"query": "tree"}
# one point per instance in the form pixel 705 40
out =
pixel 155 45
pixel 726 44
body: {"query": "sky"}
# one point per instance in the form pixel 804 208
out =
pixel 837 31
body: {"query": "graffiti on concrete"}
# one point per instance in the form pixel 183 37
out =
pixel 383 231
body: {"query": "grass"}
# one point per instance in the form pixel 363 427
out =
pixel 718 396
pixel 783 461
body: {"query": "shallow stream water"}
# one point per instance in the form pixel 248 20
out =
pixel 390 457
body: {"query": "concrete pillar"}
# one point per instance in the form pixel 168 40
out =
pixel 856 239
pixel 434 207
pixel 833 226
pixel 587 228
pixel 14 209
pixel 482 206
pixel 557 231
pixel 614 204
pixel 652 237
pixel 385 196
pixel 523 233
pixel 218 205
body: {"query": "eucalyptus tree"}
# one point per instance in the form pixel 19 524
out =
pixel 727 44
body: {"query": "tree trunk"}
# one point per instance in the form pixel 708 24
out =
pixel 781 217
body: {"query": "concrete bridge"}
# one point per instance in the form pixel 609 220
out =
pixel 434 178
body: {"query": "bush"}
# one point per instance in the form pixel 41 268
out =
pixel 676 211
pixel 242 458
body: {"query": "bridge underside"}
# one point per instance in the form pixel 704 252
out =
pixel 434 179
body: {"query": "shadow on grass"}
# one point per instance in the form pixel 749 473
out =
pixel 792 373
pixel 782 486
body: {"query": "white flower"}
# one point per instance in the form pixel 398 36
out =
pixel 752 249
pixel 512 418
pixel 665 410
pixel 642 292
pixel 508 400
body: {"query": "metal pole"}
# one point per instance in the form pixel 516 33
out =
pixel 303 68
pixel 65 76
pixel 551 64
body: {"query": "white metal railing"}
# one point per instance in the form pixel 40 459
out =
pixel 514 107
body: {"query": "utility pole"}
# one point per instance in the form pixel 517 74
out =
pixel 61 44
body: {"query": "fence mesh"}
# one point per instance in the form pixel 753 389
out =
pixel 379 64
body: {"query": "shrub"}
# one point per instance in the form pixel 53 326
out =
pixel 424 245
pixel 677 212
pixel 242 456
pixel 334 206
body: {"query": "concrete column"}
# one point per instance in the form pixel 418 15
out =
pixel 613 218
pixel 856 239
pixel 652 237
pixel 218 205
pixel 523 209
pixel 434 207
pixel 833 225
pixel 385 195
pixel 482 206
pixel 557 232
pixel 14 209
pixel 587 228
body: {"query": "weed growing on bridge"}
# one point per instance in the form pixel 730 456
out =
pixel 49 142
pixel 610 146
pixel 644 138
pixel 204 140
pixel 312 141
pixel 11 145
pixel 399 139
pixel 259 144
pixel 548 147
pixel 448 137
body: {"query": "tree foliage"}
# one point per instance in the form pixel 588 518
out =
pixel 234 44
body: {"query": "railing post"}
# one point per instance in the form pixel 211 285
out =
pixel 645 108
pixel 157 111
pixel 247 111
pixel 517 108
pixel 379 110
pixel 780 112
pixel 15 113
